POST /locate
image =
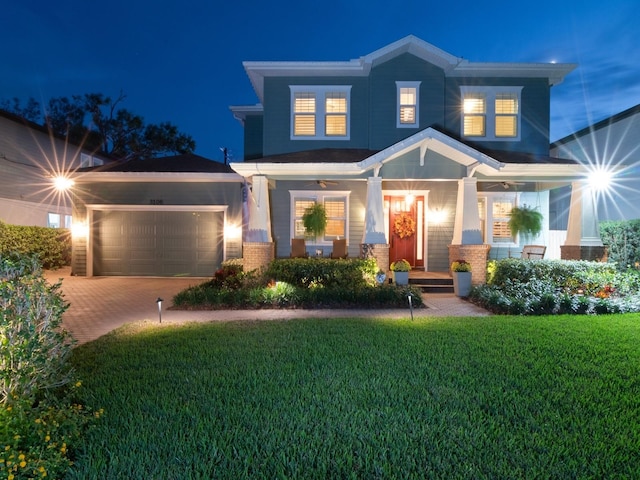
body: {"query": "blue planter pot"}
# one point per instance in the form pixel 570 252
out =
pixel 401 278
pixel 462 283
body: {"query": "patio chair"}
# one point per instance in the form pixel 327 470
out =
pixel 533 252
pixel 339 249
pixel 298 248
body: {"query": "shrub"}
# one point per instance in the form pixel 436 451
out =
pixel 315 272
pixel 51 245
pixel 544 287
pixel 34 349
pixel 622 239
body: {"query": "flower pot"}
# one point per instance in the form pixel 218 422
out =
pixel 401 278
pixel 462 283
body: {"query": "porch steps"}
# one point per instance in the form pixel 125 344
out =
pixel 433 285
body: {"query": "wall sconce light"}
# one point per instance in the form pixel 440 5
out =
pixel 409 198
pixel 437 216
pixel 79 230
pixel 232 231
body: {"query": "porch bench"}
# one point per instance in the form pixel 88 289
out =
pixel 533 252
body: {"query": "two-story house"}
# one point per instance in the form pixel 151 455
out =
pixel 414 152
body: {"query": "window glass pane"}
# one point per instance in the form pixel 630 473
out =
pixel 53 220
pixel 335 228
pixel 506 126
pixel 336 102
pixel 474 104
pixel 506 103
pixel 336 125
pixel 305 102
pixel 67 221
pixel 334 207
pixel 501 232
pixel 407 114
pixel 474 125
pixel 304 125
pixel 502 208
pixel 407 96
pixel 301 205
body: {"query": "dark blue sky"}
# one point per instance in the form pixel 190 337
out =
pixel 181 61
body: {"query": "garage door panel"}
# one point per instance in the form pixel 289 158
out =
pixel 145 243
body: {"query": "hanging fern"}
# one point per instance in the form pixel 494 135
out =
pixel 526 221
pixel 314 219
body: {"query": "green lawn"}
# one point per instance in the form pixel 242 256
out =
pixel 495 398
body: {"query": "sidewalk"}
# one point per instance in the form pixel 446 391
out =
pixel 99 305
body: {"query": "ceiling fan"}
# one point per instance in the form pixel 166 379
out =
pixel 322 183
pixel 505 184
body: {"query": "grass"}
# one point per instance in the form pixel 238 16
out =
pixel 497 397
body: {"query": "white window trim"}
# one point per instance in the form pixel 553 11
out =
pixel 490 94
pixel 399 86
pixel 320 91
pixel 489 199
pixel 318 196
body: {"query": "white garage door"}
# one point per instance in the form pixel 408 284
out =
pixel 157 243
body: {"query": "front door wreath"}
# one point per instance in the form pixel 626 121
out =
pixel 404 226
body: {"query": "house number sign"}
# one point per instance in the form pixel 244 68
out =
pixel 156 201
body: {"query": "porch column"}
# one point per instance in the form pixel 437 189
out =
pixel 467 243
pixel 466 229
pixel 374 234
pixel 583 240
pixel 258 248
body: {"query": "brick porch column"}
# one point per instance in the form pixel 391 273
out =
pixel 257 255
pixel 476 255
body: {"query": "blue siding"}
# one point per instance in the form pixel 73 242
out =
pixel 277 115
pixel 253 132
pixel 383 114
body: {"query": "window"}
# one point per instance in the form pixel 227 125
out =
pixel 89 161
pixel 53 220
pixel 335 203
pixel 408 94
pixel 320 112
pixel 491 113
pixel 494 218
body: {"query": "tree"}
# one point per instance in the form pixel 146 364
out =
pixel 99 123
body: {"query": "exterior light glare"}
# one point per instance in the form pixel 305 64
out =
pixel 232 231
pixel 600 179
pixel 79 230
pixel 62 183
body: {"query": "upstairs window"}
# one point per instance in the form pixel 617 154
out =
pixel 407 110
pixel 491 113
pixel 320 112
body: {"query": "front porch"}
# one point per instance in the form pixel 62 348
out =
pixel 430 282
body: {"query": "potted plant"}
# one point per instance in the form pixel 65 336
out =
pixel 400 269
pixel 461 273
pixel 314 220
pixel 526 221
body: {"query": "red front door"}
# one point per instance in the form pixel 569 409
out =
pixel 402 229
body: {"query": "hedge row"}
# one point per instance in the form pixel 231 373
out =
pixel 51 245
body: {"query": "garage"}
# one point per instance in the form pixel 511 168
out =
pixel 157 243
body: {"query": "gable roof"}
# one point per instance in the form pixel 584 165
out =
pixel 452 66
pixel 488 164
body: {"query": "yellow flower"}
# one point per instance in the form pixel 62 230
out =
pixel 63 449
pixel 10 477
pixel 47 438
pixel 21 456
pixel 23 464
pixel 78 384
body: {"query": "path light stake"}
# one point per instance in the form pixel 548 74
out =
pixel 159 302
pixel 410 305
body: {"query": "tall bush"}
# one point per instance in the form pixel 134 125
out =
pixel 33 346
pixel 622 239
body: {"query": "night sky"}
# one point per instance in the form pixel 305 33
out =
pixel 181 61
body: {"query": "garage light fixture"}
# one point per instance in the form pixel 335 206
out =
pixel 62 183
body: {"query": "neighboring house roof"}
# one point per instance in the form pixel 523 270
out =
pixel 607 122
pixel 176 168
pixel 452 66
pixel 177 163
